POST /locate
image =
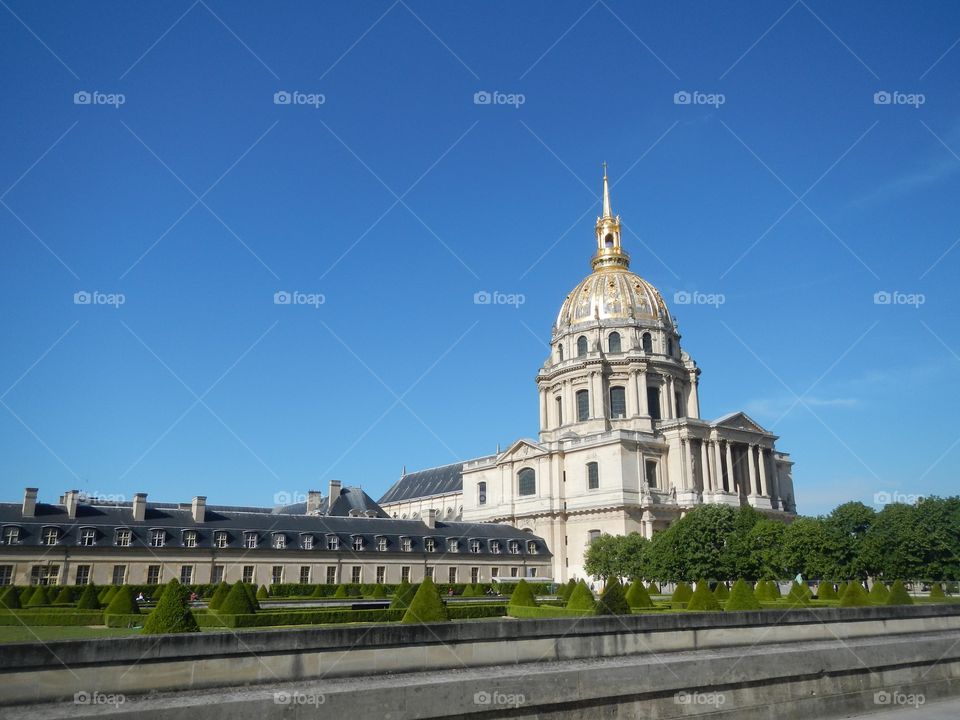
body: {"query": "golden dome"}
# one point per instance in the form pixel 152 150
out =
pixel 613 294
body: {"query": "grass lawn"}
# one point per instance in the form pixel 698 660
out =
pixel 19 633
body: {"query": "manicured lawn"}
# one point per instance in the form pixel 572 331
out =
pixel 19 633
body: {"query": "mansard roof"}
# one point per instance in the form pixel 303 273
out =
pixel 424 483
pixel 351 501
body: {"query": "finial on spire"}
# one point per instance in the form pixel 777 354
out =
pixel 607 212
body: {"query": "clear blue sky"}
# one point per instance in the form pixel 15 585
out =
pixel 199 383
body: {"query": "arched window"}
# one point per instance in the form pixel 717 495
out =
pixel 592 536
pixel 583 405
pixel 608 240
pixel 653 402
pixel 559 411
pixel 581 346
pixel 618 402
pixel 559 353
pixel 593 476
pixel 481 493
pixel 613 342
pixel 670 347
pixel 526 482
pixel 647 343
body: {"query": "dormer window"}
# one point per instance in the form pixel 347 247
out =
pixel 306 542
pixel 381 544
pixel 429 545
pixel 357 543
pixel 279 541
pixel 453 546
pixel 157 538
pixel 333 542
pixel 190 538
pixel 531 547
pixel 11 535
pixel 514 547
pixel 475 546
pixel 88 537
pixel 495 547
pixel 250 540
pixel 123 537
pixel 406 545
pixel 51 536
pixel 220 539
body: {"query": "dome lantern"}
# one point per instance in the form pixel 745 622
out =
pixel 610 254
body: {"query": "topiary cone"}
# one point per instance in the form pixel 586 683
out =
pixel 637 596
pixel 702 599
pixel 123 602
pixel 613 600
pixel 742 597
pixel 10 598
pixel 89 599
pixel 219 595
pixel 898 594
pixel 855 596
pixel 721 591
pixel 172 614
pixel 682 593
pixel 878 593
pixel 39 597
pixel 936 592
pixel 581 598
pixel 522 595
pixel 426 605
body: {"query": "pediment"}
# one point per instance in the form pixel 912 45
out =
pixel 521 450
pixel 740 421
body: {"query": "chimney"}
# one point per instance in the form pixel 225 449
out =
pixel 430 518
pixel 333 495
pixel 29 502
pixel 139 507
pixel 70 500
pixel 199 508
pixel 313 502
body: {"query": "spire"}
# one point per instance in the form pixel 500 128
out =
pixel 609 256
pixel 607 213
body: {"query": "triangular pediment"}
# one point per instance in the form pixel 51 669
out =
pixel 521 450
pixel 740 421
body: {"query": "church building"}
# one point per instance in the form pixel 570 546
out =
pixel 622 447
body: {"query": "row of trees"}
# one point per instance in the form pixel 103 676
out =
pixel 920 541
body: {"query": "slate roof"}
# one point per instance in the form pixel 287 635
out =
pixel 424 483
pixel 174 519
pixel 350 499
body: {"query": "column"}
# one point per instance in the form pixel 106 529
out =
pixel 718 465
pixel 731 476
pixel 633 407
pixel 693 399
pixel 704 467
pixel 597 399
pixel 685 464
pixel 569 406
pixel 543 409
pixel 668 388
pixel 752 465
pixel 642 390
pixel 764 490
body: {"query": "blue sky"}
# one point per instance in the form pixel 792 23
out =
pixel 784 186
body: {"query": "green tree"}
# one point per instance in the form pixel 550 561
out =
pixel 808 548
pixel 846 526
pixel 765 550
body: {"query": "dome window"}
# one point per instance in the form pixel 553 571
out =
pixel 670 347
pixel 618 402
pixel 583 405
pixel 613 342
pixel 647 343
pixel 559 353
pixel 581 346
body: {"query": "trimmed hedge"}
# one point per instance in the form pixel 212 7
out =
pixel 301 617
pixel 474 611
pixel 653 589
pixel 172 614
pixel 898 595
pixel 936 592
pixel 403 596
pixel 546 611
pixel 581 599
pixel 563 592
pixel 123 621
pixel 78 617
pixel 613 601
pixel 426 605
pixel 123 603
pixel 65 596
pixel 237 602
pixel 826 591
pixel 798 594
pixel 10 598
pixel 854 596
pixel 721 591
pixel 523 595
pixel 637 596
pixel 39 597
pixel 219 595
pixel 702 599
pixel 742 597
pixel 262 593
pixel 89 598
pixel 878 593
pixel 682 593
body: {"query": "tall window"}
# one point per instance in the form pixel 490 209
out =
pixel 381 574
pixel 153 574
pixel 276 574
pixel 157 538
pixel 452 575
pixel 560 353
pixel 11 535
pixel 526 482
pixel 428 571
pixel 678 399
pixel 355 574
pixel 651 472
pixel 124 537
pixel 51 536
pixel 613 342
pixel 44 574
pixel 583 405
pixel 6 574
pixel 581 346
pixel 405 573
pixel 83 575
pixel 186 574
pixel 88 537
pixel 494 573
pixel 653 402
pixel 647 342
pixel 514 572
pixel 481 493
pixel 474 575
pixel 247 574
pixel 670 347
pixel 119 574
pixel 331 574
pixel 559 410
pixel 593 476
pixel 216 575
pixel 618 402
pixel 592 536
